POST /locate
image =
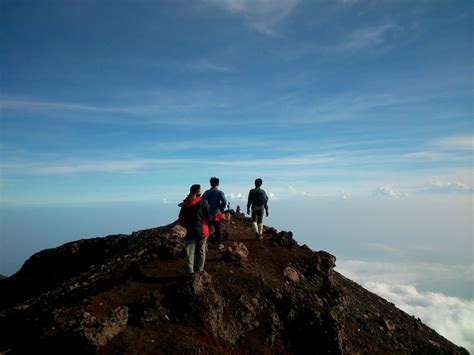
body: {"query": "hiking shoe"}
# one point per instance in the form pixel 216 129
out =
pixel 259 236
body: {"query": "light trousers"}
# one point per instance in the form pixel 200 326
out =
pixel 195 254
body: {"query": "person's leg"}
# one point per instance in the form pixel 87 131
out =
pixel 217 233
pixel 254 220
pixel 201 253
pixel 190 246
pixel 260 223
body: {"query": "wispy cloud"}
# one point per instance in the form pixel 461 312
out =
pixel 51 105
pixel 152 106
pixel 427 156
pixel 367 37
pixel 135 164
pixel 84 167
pixel 347 106
pixel 461 142
pixel 124 166
pixel 205 65
pixel 262 15
pixel 214 144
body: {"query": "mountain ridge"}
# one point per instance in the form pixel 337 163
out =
pixel 127 294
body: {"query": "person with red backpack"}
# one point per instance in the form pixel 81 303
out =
pixel 194 216
pixel 257 200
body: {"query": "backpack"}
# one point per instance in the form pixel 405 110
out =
pixel 261 197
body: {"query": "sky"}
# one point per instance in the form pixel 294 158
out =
pixel 356 114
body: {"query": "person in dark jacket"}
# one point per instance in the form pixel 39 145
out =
pixel 217 203
pixel 257 201
pixel 194 216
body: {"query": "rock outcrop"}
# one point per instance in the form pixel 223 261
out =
pixel 128 294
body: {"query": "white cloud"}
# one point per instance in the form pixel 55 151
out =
pixel 398 283
pixel 291 188
pixel 262 15
pixel 272 196
pixel 345 195
pixel 236 196
pixel 450 316
pixel 448 187
pixel 389 191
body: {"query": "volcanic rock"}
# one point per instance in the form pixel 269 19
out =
pixel 236 252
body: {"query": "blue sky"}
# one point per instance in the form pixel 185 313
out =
pixel 357 115
pixel 106 101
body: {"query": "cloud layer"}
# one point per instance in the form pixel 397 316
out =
pixel 397 282
pixel 449 316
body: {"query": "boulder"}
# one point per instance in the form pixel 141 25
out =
pixel 200 281
pixel 291 274
pixel 284 239
pixel 236 252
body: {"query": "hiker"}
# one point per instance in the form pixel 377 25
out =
pixel 258 201
pixel 237 209
pixel 194 215
pixel 217 204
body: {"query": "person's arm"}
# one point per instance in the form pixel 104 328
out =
pixel 266 204
pixel 223 202
pixel 182 217
pixel 249 202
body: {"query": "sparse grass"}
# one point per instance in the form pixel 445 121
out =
pixel 309 286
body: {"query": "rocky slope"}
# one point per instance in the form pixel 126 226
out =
pixel 127 294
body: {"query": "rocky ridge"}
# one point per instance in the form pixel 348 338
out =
pixel 127 294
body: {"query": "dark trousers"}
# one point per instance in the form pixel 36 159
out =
pixel 217 231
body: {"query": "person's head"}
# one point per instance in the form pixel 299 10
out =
pixel 258 182
pixel 195 190
pixel 214 181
